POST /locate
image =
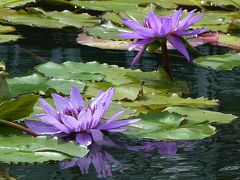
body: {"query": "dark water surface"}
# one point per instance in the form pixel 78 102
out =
pixel 217 157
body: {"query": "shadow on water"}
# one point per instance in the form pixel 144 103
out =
pixel 213 158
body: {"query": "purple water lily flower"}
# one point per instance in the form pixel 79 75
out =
pixel 72 118
pixel 170 28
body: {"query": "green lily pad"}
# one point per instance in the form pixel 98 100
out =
pixel 4 88
pixel 46 19
pixel 167 126
pixel 107 31
pixel 158 102
pixel 119 5
pixel 14 3
pixel 9 37
pixel 229 41
pixel 27 84
pixel 6 29
pixel 219 62
pixel 29 149
pixel 71 70
pixel 17 108
pixel 64 86
pixel 195 115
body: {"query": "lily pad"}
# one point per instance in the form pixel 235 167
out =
pixel 71 70
pixel 27 84
pixel 29 149
pixel 52 19
pixel 17 108
pixel 14 3
pixel 119 5
pixel 64 86
pixel 195 115
pixel 167 126
pixel 158 102
pixel 4 88
pixel 219 62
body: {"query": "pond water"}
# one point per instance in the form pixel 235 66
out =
pixel 217 157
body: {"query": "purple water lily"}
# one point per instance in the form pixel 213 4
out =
pixel 72 118
pixel 170 28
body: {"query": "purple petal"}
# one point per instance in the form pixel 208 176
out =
pixel 47 108
pixel 191 32
pixel 167 25
pixel 98 114
pixel 84 139
pixel 76 98
pixel 139 55
pixel 176 17
pixel 132 35
pixel 178 44
pixel 52 121
pixel 116 130
pixel 132 24
pixel 61 103
pixel 96 135
pixel 143 42
pixel 192 21
pixel 154 21
pixel 84 120
pixel 70 122
pixel 119 123
pixel 183 24
pixel 145 32
pixel 113 118
pixel 41 127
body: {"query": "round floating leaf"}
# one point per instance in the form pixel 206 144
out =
pixel 119 5
pixel 17 108
pixel 195 115
pixel 219 62
pixel 167 126
pixel 4 88
pixel 9 37
pixel 29 149
pixel 6 29
pixel 26 84
pixel 14 3
pixel 196 132
pixel 71 70
pixel 158 101
pixel 35 17
pixel 64 86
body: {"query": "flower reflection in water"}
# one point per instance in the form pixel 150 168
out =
pixel 164 147
pixel 103 161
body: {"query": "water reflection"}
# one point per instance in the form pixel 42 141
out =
pixel 103 161
pixel 100 159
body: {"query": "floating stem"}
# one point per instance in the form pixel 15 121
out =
pixel 17 126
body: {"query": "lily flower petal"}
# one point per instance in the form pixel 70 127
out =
pixel 41 128
pixel 143 42
pixel 84 139
pixel 178 44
